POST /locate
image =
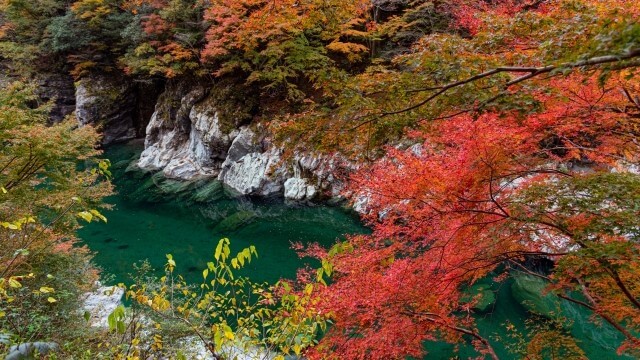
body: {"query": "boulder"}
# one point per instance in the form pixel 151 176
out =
pixel 243 144
pixel 297 189
pixel 100 303
pixel 321 171
pixel 5 338
pixel 361 203
pixel 250 170
pixel 194 348
pixel 250 175
pixel 29 350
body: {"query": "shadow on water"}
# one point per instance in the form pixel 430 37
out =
pixel 153 216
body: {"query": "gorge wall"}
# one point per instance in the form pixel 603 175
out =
pixel 199 130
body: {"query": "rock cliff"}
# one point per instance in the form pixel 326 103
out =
pixel 115 104
pixel 203 130
pixel 198 131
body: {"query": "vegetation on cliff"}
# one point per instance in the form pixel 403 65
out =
pixel 490 133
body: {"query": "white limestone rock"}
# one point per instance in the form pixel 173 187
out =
pixel 361 204
pixel 244 142
pixel 186 142
pixel 28 350
pixel 320 171
pixel 194 348
pixel 249 175
pixel 297 189
pixel 100 303
pixel 186 139
pixel 251 171
pixel 157 155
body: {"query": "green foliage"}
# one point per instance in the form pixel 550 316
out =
pixel 29 19
pixel 44 191
pixel 227 313
pixel 23 28
pixel 67 33
pixel 40 162
pixel 281 65
pixel 393 94
pixel 39 305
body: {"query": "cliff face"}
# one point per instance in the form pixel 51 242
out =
pixel 56 87
pixel 114 104
pixel 201 130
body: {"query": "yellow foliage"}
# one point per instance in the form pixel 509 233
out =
pixel 353 51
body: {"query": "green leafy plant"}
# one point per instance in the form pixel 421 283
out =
pixel 227 313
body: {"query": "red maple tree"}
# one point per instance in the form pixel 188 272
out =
pixel 479 191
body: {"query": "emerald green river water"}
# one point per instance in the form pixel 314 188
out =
pixel 153 216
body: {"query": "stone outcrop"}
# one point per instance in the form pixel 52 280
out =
pixel 50 86
pixel 107 101
pixel 188 136
pixel 197 130
pixel 194 348
pixel 298 189
pixel 59 89
pixel 252 168
pixel 172 143
pixel 200 132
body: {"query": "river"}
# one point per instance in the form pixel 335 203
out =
pixel 153 216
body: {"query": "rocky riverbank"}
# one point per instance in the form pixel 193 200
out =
pixel 198 131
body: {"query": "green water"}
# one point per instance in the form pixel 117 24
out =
pixel 153 216
pixel 599 342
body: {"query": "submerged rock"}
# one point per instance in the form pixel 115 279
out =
pixel 483 295
pixel 529 292
pixel 234 222
pixel 210 191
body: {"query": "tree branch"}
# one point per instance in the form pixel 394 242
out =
pixel 530 72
